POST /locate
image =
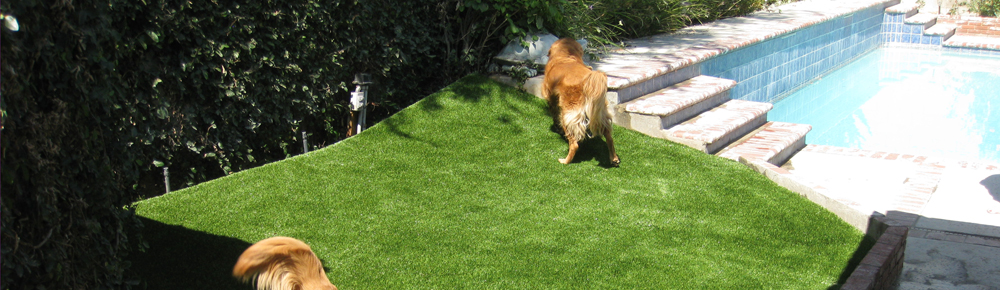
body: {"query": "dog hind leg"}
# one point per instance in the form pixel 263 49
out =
pixel 573 146
pixel 615 161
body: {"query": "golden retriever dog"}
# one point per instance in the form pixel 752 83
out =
pixel 282 263
pixel 578 92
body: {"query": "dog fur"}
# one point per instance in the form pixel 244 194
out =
pixel 282 263
pixel 578 94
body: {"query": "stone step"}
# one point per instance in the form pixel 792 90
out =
pixel 775 142
pixel 909 9
pixel 622 90
pixel 922 20
pixel 651 113
pixel 973 42
pixel 943 30
pixel 915 28
pixel 714 129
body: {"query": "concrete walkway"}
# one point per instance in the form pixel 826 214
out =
pixel 952 208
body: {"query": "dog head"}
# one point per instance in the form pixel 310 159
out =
pixel 566 47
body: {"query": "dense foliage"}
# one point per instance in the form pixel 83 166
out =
pixel 610 22
pixel 99 94
pixel 985 8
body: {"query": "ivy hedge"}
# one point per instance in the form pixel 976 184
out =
pixel 98 95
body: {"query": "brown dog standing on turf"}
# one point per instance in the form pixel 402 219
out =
pixel 579 93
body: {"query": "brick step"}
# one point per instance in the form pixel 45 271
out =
pixel 651 113
pixel 909 9
pixel 714 129
pixel 943 30
pixel 922 20
pixel 775 142
pixel 927 24
pixel 973 42
pixel 908 26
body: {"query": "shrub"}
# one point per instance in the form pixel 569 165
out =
pixel 985 8
pixel 66 219
pixel 99 94
pixel 611 22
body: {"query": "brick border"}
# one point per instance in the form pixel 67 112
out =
pixel 973 25
pixel 882 265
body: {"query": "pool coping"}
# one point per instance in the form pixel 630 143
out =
pixel 650 57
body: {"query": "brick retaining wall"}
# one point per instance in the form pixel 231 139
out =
pixel 975 26
pixel 881 267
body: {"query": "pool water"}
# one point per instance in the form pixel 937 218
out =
pixel 904 100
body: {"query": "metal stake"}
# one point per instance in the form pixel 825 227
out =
pixel 305 144
pixel 166 178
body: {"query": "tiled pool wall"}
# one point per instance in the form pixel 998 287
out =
pixel 772 68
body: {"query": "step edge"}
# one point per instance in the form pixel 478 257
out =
pixel 774 156
pixel 722 87
pixel 676 132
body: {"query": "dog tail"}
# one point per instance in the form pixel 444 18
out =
pixel 595 89
pixel 593 114
pixel 282 263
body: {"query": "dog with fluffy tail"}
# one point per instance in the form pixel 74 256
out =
pixel 578 92
pixel 282 263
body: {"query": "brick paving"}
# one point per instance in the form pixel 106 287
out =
pixel 973 26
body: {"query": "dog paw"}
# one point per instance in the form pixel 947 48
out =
pixel 563 161
pixel 615 162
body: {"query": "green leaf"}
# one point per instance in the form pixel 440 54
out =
pixel 161 113
pixel 152 35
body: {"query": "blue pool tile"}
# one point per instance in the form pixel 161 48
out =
pixel 780 64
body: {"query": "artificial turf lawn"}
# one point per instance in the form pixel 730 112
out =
pixel 464 190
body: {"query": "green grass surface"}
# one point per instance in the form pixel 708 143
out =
pixel 463 190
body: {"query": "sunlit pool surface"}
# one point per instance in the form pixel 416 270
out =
pixel 904 100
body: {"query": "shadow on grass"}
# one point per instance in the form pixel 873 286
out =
pixel 470 89
pixel 181 258
pixel 864 246
pixel 593 149
pixel 875 229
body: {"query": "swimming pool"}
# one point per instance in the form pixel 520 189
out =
pixel 904 100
